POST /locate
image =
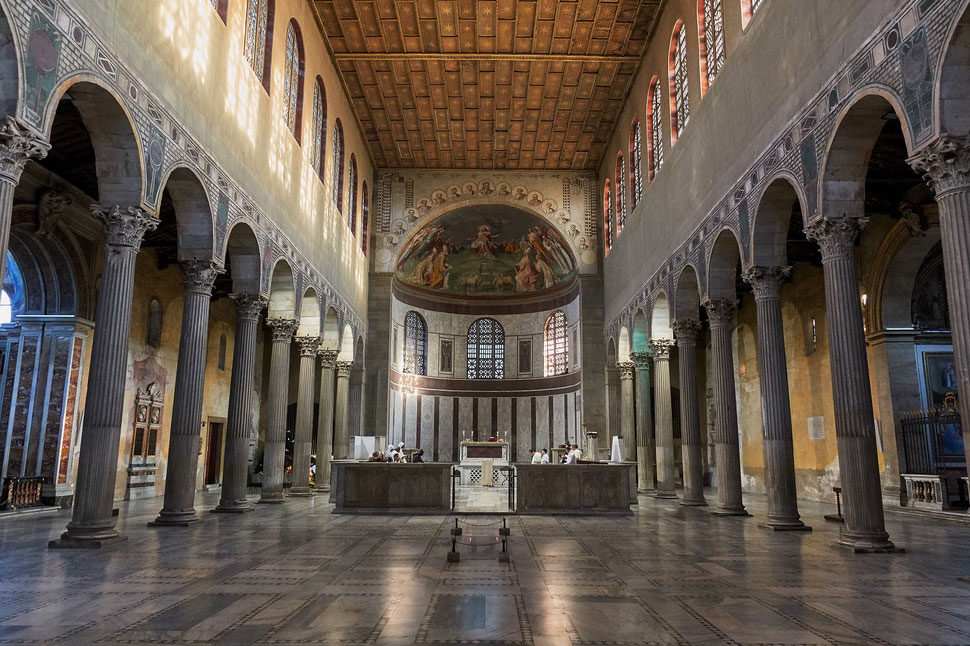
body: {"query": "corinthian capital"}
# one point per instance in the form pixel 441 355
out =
pixel 944 163
pixel 641 360
pixel 283 329
pixel 836 236
pixel 626 369
pixel 685 331
pixel 660 348
pixel 18 143
pixel 200 275
pixel 308 345
pixel 343 368
pixel 248 306
pixel 124 228
pixel 720 312
pixel 766 281
pixel 327 357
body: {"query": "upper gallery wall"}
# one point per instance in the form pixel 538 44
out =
pixel 775 64
pixel 183 64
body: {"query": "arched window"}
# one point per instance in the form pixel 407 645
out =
pixel 607 217
pixel 220 6
pixel 656 141
pixel 620 193
pixel 363 217
pixel 636 172
pixel 710 25
pixel 486 350
pixel 259 38
pixel 293 80
pixel 679 89
pixel 154 334
pixel 6 307
pixel 352 195
pixel 554 349
pixel 319 126
pixel 337 187
pixel 415 344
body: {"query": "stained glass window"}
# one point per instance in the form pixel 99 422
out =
pixel 554 345
pixel 636 172
pixel 713 38
pixel 257 28
pixel 679 75
pixel 607 217
pixel 352 195
pixel 319 126
pixel 364 215
pixel 293 79
pixel 415 344
pixel 337 187
pixel 656 129
pixel 620 193
pixel 486 350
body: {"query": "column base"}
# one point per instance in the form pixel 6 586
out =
pixel 272 499
pixel 785 526
pixel 66 542
pixel 694 503
pixel 302 492
pixel 232 508
pixel 646 492
pixel 322 488
pixel 665 495
pixel 725 511
pixel 869 544
pixel 175 519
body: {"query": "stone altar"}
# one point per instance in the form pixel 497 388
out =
pixel 384 487
pixel 573 489
pixel 474 453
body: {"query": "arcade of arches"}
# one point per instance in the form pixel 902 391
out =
pixel 721 246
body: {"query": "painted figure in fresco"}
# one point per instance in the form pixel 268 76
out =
pixel 439 269
pixel 536 242
pixel 482 243
pixel 422 270
pixel 525 274
pixel 548 275
pixel 486 188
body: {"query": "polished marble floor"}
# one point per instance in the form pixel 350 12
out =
pixel 296 574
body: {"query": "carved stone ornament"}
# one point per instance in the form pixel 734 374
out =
pixel 836 236
pixel 283 329
pixel 626 369
pixel 249 306
pixel 327 357
pixel 124 228
pixel 308 345
pixel 343 368
pixel 18 143
pixel 720 312
pixel 660 348
pixel 50 210
pixel 200 275
pixel 685 330
pixel 944 164
pixel 913 219
pixel 151 392
pixel 766 281
pixel 641 360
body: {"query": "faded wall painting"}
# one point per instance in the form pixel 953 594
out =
pixel 491 250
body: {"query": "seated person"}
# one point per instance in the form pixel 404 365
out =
pixel 418 457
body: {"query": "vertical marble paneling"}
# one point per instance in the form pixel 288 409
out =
pixel 427 425
pixel 542 422
pixel 70 408
pixel 20 425
pixel 523 417
pixel 504 420
pixel 484 418
pixel 558 419
pixel 60 370
pixel 410 419
pixel 446 428
pixel 464 419
pixel 10 373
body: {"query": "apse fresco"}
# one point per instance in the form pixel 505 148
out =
pixel 481 251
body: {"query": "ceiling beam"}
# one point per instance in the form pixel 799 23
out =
pixel 487 56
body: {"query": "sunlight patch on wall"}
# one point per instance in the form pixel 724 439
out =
pixel 188 26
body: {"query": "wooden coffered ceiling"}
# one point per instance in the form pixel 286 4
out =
pixel 517 84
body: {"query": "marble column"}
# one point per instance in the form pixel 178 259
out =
pixel 690 426
pixel 325 420
pixel 727 449
pixel 274 445
pixel 341 441
pixel 303 434
pixel 663 416
pixel 185 437
pixel 92 521
pixel 864 528
pixel 945 164
pixel 18 143
pixel 779 450
pixel 235 467
pixel 646 457
pixel 627 427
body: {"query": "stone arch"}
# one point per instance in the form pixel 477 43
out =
pixel 346 352
pixel 847 155
pixel 610 352
pixel 772 217
pixel 722 265
pixel 953 82
pixel 193 214
pixel 623 343
pixel 359 353
pixel 46 274
pixel 309 313
pixel 331 330
pixel 687 298
pixel 660 317
pixel 242 259
pixel 641 332
pixel 9 68
pixel 282 291
pixel 114 138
